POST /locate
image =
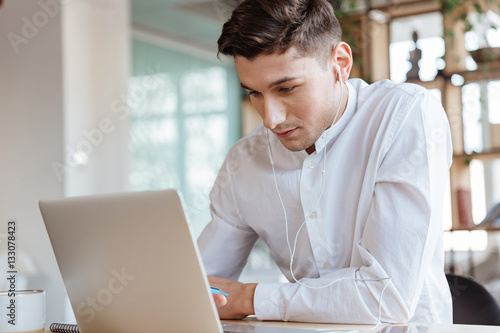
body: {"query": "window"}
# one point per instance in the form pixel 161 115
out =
pixel 481 116
pixel 473 42
pixel 429 28
pixel 184 118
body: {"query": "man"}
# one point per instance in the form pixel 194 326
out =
pixel 344 181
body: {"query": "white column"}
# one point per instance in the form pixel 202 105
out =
pixel 31 138
pixel 96 57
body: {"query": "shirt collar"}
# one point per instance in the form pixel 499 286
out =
pixel 332 132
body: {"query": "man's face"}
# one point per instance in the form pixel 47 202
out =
pixel 296 97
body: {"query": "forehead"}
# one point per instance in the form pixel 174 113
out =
pixel 268 68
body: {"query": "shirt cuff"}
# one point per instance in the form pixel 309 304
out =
pixel 267 303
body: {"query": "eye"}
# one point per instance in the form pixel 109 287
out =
pixel 287 89
pixel 253 93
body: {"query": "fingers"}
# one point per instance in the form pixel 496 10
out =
pixel 220 300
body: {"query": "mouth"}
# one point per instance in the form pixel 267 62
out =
pixel 285 134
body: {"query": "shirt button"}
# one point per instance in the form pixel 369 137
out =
pixel 313 215
pixel 311 165
pixel 326 266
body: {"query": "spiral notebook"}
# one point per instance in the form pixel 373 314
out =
pixel 64 328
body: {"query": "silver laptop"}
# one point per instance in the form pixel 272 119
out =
pixel 130 264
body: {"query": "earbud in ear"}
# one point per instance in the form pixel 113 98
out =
pixel 339 74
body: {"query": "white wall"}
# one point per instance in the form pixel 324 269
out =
pixel 31 138
pixel 63 72
pixel 96 57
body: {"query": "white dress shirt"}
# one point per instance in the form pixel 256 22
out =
pixel 380 215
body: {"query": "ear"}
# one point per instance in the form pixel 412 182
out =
pixel 342 56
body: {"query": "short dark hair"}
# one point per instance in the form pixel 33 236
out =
pixel 274 26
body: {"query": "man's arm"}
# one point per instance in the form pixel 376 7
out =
pixel 225 245
pixel 225 250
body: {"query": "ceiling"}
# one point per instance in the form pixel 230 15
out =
pixel 194 22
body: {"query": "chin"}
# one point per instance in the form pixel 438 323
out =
pixel 294 146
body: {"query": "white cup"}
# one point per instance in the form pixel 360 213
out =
pixel 22 311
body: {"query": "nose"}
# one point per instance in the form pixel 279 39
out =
pixel 273 113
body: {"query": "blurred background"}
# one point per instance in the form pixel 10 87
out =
pixel 102 96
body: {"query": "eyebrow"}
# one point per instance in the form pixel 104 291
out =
pixel 275 83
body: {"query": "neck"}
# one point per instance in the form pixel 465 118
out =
pixel 338 114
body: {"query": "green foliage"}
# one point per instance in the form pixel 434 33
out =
pixel 478 7
pixel 449 5
pixel 345 8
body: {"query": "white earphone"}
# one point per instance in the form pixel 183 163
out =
pixel 339 72
pixel 292 252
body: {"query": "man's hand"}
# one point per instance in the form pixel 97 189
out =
pixel 240 300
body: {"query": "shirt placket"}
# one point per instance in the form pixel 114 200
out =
pixel 310 189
